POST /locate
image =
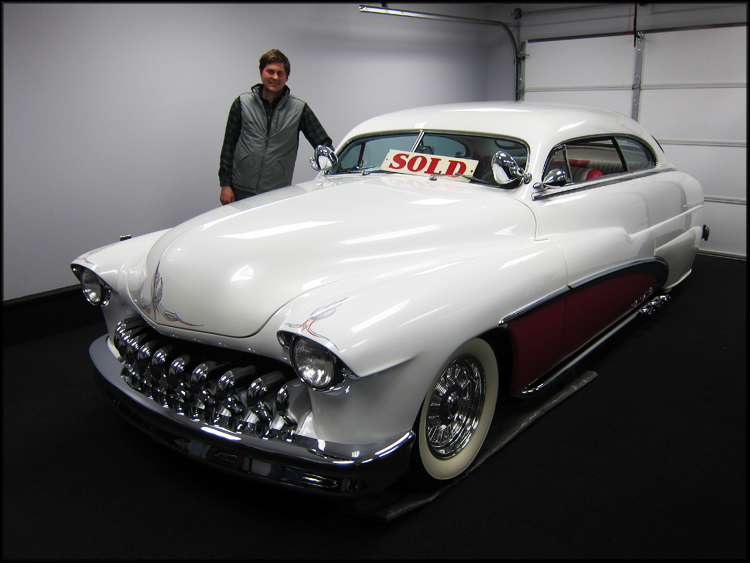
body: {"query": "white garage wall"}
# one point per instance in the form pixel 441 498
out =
pixel 114 114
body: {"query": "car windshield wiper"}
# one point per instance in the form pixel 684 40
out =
pixel 363 171
pixel 471 178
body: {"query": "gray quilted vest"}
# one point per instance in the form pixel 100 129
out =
pixel 265 161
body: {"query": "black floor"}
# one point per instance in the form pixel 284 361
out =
pixel 646 461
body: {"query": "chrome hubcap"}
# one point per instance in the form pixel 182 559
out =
pixel 455 407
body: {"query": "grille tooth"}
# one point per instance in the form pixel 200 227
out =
pixel 143 364
pixel 225 387
pixel 126 327
pixel 265 385
pixel 132 344
pixel 131 377
pixel 213 385
pixel 265 416
pixel 211 413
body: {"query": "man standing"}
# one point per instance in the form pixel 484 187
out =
pixel 262 134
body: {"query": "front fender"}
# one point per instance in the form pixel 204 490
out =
pixel 395 335
pixel 121 265
pixel 113 262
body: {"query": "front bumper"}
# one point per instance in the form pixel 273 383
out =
pixel 303 463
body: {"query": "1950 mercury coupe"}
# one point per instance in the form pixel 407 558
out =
pixel 336 334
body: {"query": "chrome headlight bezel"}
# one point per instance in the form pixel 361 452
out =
pixel 96 291
pixel 315 365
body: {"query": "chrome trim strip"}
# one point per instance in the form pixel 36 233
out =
pixel 624 177
pixel 538 386
pixel 419 140
pixel 534 305
pixel 616 269
pixel 728 144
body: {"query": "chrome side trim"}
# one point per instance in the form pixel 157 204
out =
pixel 591 184
pixel 704 143
pixel 648 261
pixel 534 305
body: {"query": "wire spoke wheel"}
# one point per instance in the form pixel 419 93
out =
pixel 455 407
pixel 457 410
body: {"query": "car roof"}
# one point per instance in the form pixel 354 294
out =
pixel 540 125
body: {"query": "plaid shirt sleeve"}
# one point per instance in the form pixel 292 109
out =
pixel 313 130
pixel 231 135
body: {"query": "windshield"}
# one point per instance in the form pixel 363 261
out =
pixel 368 154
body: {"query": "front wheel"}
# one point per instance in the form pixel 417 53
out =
pixel 457 411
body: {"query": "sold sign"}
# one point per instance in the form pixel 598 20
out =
pixel 427 164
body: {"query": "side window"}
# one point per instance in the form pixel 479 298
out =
pixel 636 155
pixel 586 159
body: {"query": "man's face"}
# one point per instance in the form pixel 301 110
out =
pixel 274 78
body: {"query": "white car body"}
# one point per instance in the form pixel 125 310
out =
pixel 393 272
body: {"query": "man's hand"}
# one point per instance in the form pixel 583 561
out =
pixel 227 195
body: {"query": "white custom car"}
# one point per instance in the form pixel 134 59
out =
pixel 337 334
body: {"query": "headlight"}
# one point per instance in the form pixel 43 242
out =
pixel 316 365
pixel 94 289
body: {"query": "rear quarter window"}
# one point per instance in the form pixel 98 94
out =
pixel 588 159
pixel 637 156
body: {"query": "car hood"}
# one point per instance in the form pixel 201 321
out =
pixel 228 271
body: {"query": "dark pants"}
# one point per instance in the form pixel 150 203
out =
pixel 240 194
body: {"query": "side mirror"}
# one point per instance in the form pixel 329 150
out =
pixel 506 171
pixel 555 178
pixel 329 158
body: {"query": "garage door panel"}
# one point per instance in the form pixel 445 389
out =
pixel 728 225
pixel 722 171
pixel 695 56
pixel 580 62
pixel 706 114
pixel 614 100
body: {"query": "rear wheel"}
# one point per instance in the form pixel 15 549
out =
pixel 457 412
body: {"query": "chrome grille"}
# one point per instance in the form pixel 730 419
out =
pixel 235 391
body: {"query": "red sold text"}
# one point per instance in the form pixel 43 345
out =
pixel 415 163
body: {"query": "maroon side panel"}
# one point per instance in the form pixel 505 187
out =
pixel 593 308
pixel 546 337
pixel 536 340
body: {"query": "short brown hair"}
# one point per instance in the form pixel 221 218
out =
pixel 275 56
